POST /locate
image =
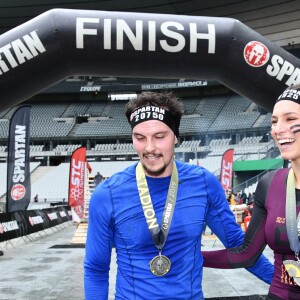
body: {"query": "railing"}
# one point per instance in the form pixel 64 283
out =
pixel 249 182
pixel 268 151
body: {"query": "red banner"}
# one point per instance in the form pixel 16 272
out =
pixel 77 180
pixel 227 170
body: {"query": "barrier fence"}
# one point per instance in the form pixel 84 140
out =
pixel 25 222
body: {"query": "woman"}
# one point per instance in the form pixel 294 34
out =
pixel 277 192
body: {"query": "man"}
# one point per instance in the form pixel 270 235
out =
pixel 36 198
pixel 154 213
pixel 98 178
pixel 244 197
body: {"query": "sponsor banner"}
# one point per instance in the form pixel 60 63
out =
pixel 90 89
pixel 142 87
pixel 53 217
pixel 141 45
pixel 77 180
pixel 9 227
pixel 58 215
pixel 18 164
pixel 20 223
pixel 226 173
pixel 174 85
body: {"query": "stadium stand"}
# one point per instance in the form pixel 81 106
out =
pixel 206 132
pixel 69 148
pixel 207 114
pixel 53 186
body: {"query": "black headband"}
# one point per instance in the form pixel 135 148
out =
pixel 146 113
pixel 290 94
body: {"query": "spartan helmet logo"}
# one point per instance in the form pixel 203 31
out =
pixel 256 54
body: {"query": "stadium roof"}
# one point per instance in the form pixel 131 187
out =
pixel 277 20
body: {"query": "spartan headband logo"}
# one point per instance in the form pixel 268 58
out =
pixel 18 192
pixel 292 94
pixel 256 54
pixel 147 113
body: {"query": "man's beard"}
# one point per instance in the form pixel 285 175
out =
pixel 154 173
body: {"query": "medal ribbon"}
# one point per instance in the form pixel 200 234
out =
pixel 159 235
pixel 290 210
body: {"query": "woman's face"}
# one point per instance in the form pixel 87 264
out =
pixel 285 129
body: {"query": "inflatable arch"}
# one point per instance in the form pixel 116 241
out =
pixel 62 42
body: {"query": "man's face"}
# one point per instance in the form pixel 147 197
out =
pixel 154 142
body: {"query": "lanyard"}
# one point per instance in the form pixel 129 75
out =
pixel 290 210
pixel 159 235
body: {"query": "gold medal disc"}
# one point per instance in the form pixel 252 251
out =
pixel 160 265
pixel 293 269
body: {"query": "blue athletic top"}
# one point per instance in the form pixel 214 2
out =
pixel 116 219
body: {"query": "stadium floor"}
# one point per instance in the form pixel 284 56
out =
pixel 47 267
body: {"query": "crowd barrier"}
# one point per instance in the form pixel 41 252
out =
pixel 24 222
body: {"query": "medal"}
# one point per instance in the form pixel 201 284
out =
pixel 292 266
pixel 160 265
pixel 293 269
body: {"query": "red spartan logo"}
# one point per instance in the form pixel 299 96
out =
pixel 256 54
pixel 18 192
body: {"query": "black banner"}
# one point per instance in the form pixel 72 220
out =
pixel 63 42
pixel 18 165
pixel 20 223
